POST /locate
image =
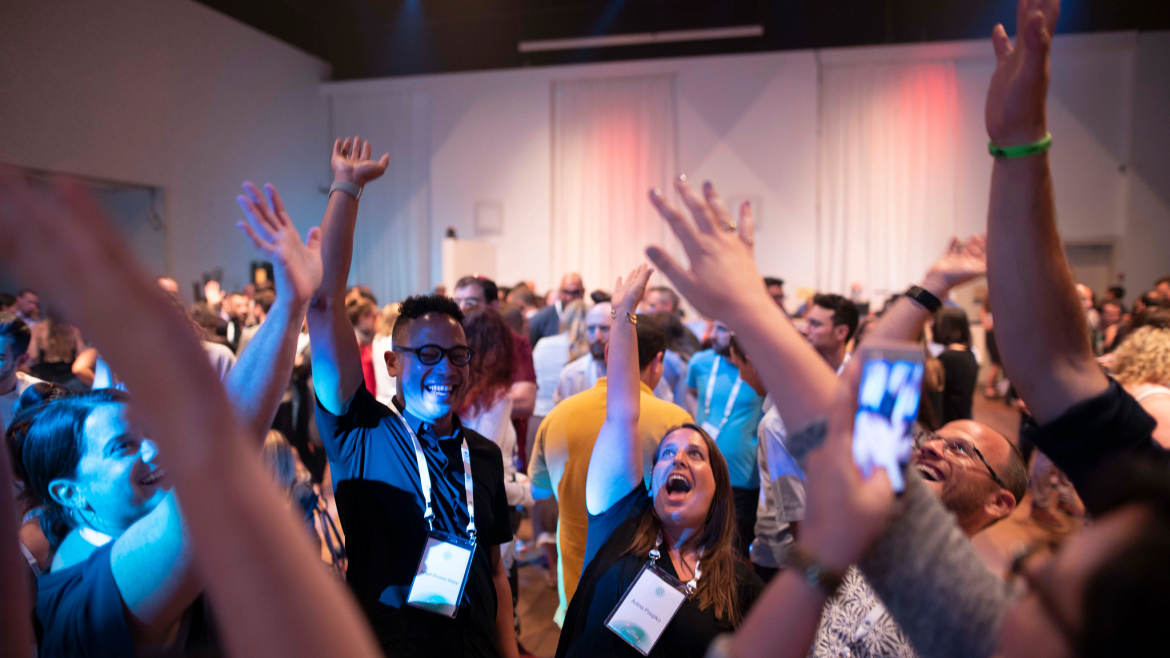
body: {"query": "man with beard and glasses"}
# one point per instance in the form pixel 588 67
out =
pixel 410 480
pixel 564 444
pixel 582 374
pixel 730 412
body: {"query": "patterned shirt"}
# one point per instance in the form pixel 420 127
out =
pixel 844 631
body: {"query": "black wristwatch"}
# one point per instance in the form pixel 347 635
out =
pixel 815 574
pixel 925 298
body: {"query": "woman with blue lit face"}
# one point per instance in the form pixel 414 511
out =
pixel 683 522
pixel 114 525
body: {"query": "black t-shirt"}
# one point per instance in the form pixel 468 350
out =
pixel 79 613
pixel 608 573
pixel 380 504
pixel 1093 433
pixel 962 371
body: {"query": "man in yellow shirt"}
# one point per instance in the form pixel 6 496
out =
pixel 564 442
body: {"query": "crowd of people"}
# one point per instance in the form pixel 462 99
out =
pixel 689 477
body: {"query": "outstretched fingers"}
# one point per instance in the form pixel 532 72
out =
pixel 678 223
pixel 1001 42
pixel 747 224
pixel 682 279
pixel 704 217
pixel 280 215
pixel 255 239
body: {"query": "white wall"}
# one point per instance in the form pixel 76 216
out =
pixel 746 122
pixel 172 94
pixel 749 123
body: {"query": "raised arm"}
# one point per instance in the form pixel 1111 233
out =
pixel 844 515
pixel 253 555
pixel 337 365
pixel 962 262
pixel 1040 326
pixel 261 375
pixel 722 282
pixel 615 467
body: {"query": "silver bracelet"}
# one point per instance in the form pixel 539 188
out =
pixel 347 187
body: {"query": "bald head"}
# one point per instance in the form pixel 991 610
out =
pixel 168 284
pixel 572 288
pixel 952 467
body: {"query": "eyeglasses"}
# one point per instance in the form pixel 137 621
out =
pixel 430 355
pixel 963 450
pixel 573 293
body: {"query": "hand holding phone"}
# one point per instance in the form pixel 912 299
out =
pixel 887 407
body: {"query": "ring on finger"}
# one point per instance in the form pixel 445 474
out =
pixel 732 225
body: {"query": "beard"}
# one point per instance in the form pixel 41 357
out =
pixel 962 498
pixel 723 351
pixel 597 349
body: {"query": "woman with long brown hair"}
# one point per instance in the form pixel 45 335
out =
pixel 677 534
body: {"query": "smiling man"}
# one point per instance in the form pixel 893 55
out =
pixel 408 478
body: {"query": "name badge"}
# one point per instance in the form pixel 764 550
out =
pixel 442 574
pixel 647 608
pixel 710 429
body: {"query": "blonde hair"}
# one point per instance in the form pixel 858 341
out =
pixel 281 461
pixel 1143 357
pixel 573 321
pixel 384 325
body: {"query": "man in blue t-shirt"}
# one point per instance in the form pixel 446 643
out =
pixel 729 410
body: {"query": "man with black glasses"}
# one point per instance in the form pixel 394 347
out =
pixel 420 497
pixel 547 321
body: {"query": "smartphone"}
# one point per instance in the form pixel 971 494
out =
pixel 887 407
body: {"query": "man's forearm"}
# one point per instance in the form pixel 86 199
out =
pixel 505 628
pixel 262 374
pixel 800 382
pixel 1040 324
pixel 336 359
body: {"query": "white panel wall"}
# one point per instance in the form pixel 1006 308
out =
pixel 172 94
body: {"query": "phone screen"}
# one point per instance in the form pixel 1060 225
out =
pixel 887 406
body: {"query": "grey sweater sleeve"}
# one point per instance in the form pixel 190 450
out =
pixel 926 572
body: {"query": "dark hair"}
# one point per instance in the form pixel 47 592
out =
pixel 1150 316
pixel 716 590
pixel 205 321
pixel 1124 603
pixel 651 340
pixel 41 393
pixel 952 326
pixel 48 442
pixel 679 339
pixel 1118 292
pixel 490 373
pixel 6 299
pixel 365 293
pixel 25 291
pixel 600 296
pixel 1112 302
pixel 1154 298
pixel 1165 279
pixel 770 281
pixel 15 328
pixel 844 311
pixel 416 306
pixel 671 294
pixel 490 291
pixel 265 299
pixel 514 316
pixel 358 309
pixel 523 295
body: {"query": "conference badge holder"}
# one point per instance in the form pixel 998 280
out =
pixel 646 608
pixel 442 573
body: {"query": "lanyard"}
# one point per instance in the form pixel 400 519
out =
pixel 424 475
pixel 654 555
pixel 711 392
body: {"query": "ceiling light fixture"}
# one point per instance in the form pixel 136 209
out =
pixel 643 38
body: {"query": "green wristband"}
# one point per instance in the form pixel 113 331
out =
pixel 1021 151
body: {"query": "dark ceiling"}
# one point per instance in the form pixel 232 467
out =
pixel 374 38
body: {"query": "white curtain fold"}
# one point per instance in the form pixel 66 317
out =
pixel 888 145
pixel 613 140
pixel 391 246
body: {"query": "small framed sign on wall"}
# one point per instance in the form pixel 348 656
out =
pixel 489 217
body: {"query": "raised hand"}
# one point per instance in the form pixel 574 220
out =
pixel 845 512
pixel 297 265
pixel 722 280
pixel 1016 101
pixel 213 293
pixel 963 261
pixel 627 293
pixel 351 161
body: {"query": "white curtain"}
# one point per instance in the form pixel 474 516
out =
pixel 888 144
pixel 613 140
pixel 391 246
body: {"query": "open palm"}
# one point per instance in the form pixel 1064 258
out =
pixel 1015 110
pixel 351 161
pixel 297 265
pixel 963 261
